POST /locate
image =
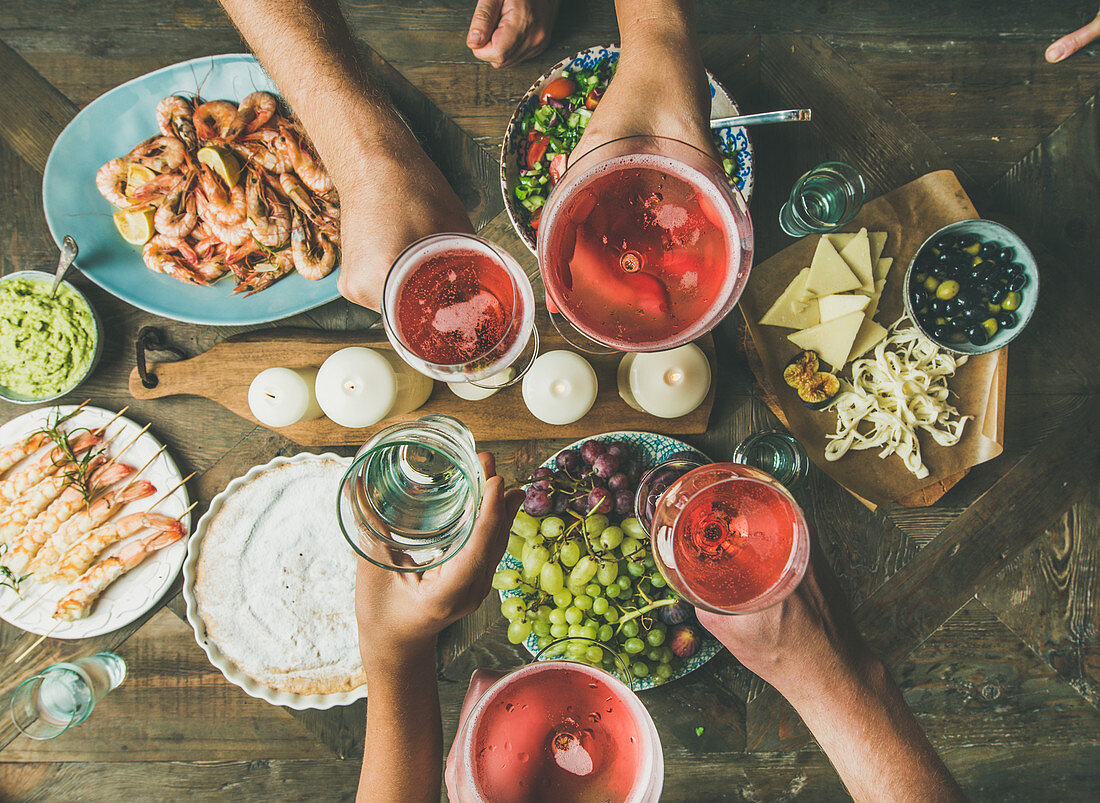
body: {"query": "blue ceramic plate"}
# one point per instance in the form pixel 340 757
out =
pixel 651 449
pixel 111 126
pixel 735 139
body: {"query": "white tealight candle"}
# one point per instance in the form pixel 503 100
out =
pixel 279 397
pixel 484 387
pixel 667 384
pixel 357 387
pixel 560 387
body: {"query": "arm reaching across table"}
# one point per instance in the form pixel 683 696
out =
pixel 808 648
pixel 400 615
pixel 391 193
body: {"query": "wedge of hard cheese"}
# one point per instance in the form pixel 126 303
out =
pixel 838 304
pixel 831 340
pixel 857 255
pixel 829 273
pixel 789 311
pixel 869 335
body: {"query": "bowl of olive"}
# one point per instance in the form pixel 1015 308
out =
pixel 972 286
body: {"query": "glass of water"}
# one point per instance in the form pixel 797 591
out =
pixel 63 695
pixel 822 200
pixel 409 499
pixel 776 453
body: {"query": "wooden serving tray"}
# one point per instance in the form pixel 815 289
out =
pixel 225 371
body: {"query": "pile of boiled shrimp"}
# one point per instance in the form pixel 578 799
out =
pixel 281 215
pixel 58 517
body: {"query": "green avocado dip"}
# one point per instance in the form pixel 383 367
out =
pixel 46 344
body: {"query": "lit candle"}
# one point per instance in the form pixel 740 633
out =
pixel 560 387
pixel 279 397
pixel 667 384
pixel 484 387
pixel 358 387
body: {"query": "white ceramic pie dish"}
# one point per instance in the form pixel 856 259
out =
pixel 217 658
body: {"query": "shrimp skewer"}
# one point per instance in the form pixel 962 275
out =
pixel 17 484
pixel 46 524
pixel 10 455
pixel 16 517
pixel 83 523
pixel 83 553
pixel 78 601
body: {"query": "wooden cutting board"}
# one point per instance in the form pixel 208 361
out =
pixel 225 371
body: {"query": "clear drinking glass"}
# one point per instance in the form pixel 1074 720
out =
pixel 547 723
pixel 460 309
pixel 822 200
pixel 778 453
pixel 730 539
pixel 48 704
pixel 654 482
pixel 643 246
pixel 409 499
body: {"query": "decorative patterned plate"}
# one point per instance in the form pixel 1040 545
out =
pixel 110 126
pixel 252 687
pixel 135 592
pixel 735 139
pixel 651 449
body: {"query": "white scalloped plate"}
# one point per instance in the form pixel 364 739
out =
pixel 251 687
pixel 135 592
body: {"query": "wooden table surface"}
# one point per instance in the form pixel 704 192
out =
pixel 984 606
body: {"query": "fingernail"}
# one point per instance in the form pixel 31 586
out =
pixel 1055 53
pixel 474 38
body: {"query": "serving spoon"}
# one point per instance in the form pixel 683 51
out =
pixel 787 116
pixel 68 256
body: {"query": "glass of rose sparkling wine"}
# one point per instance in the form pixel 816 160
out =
pixel 555 730
pixel 643 245
pixel 729 538
pixel 459 309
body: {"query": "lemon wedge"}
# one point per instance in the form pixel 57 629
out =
pixel 135 225
pixel 222 162
pixel 137 176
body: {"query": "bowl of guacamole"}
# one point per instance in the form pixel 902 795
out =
pixel 48 346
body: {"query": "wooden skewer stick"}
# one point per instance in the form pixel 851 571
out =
pixel 189 509
pixel 136 474
pixel 174 489
pixel 19 658
pixel 41 597
pixel 122 451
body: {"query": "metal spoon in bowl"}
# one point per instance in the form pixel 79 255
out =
pixel 788 116
pixel 68 255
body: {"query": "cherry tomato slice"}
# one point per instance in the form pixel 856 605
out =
pixel 559 89
pixel 557 167
pixel 534 222
pixel 536 150
pixel 592 98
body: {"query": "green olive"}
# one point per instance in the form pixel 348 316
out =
pixel 973 249
pixel 920 277
pixel 975 262
pixel 990 326
pixel 931 283
pixel 941 321
pixel 994 308
pixel 947 289
pixel 1011 301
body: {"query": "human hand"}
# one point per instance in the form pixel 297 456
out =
pixel 398 198
pixel 401 613
pixel 506 32
pixel 1072 42
pixel 799 643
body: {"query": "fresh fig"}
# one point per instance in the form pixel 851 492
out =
pixel 684 640
pixel 677 613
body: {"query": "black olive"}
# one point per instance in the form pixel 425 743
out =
pixel 1006 255
pixel 937 306
pixel 916 297
pixel 941 332
pixel 976 273
pixel 1017 281
pixel 986 289
pixel 944 242
pixel 977 335
pixel 998 295
pixel 1016 268
pixel 926 260
pixel 976 313
pixel 956 305
pixel 989 249
pixel 967 240
pixel 1007 320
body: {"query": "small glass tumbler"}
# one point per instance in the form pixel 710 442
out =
pixel 409 499
pixel 48 704
pixel 823 200
pixel 778 453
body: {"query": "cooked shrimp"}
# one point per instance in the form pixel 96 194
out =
pixel 216 120
pixel 253 151
pixel 161 154
pixel 16 485
pixel 77 602
pixel 20 512
pixel 177 215
pixel 45 524
pixel 268 219
pixel 84 552
pixel 12 454
pixel 83 523
pixel 162 256
pixel 174 120
pixel 309 170
pixel 266 274
pixel 228 207
pixel 229 234
pixel 110 180
pixel 313 252
pixel 255 110
pixel 156 189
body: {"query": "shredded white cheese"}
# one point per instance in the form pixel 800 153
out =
pixel 898 391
